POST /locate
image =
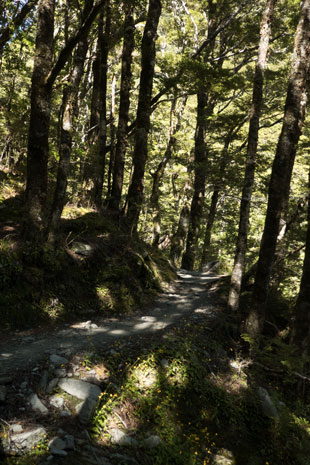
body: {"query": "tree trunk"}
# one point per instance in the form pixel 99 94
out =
pixel 179 238
pixel 301 332
pixel 214 202
pixel 248 182
pixel 119 162
pixel 70 99
pixel 294 115
pixel 37 158
pixel 112 137
pixel 199 183
pixel 158 175
pixel 101 154
pixel 43 78
pixel 135 192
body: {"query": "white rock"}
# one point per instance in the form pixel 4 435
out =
pixel 86 409
pixel 80 389
pixel 25 441
pixel 122 439
pixel 36 404
pixel 16 428
pixel 57 401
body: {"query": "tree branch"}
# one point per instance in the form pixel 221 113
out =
pixel 72 42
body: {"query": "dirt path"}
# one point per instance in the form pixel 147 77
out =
pixel 189 295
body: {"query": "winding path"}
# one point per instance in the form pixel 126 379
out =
pixel 189 295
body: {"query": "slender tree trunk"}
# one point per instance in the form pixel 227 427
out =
pixel 158 175
pixel 70 99
pixel 301 331
pixel 178 240
pixel 214 202
pixel 112 137
pixel 248 182
pixel 199 183
pixel 101 153
pixel 294 115
pixel 121 145
pixel 43 78
pixel 136 188
pixel 37 158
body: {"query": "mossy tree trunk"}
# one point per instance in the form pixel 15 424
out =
pixel 294 115
pixel 121 137
pixel 37 157
pixel 248 182
pixel 136 188
pixel 70 105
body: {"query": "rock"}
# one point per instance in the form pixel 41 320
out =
pixel 51 385
pixel 59 452
pixel 82 249
pixel 24 385
pixel 122 439
pixel 80 389
pixel 43 381
pixel 60 372
pixel 57 360
pixel 16 428
pixel 36 404
pixel 85 410
pixel 65 413
pixel 70 442
pixel 223 457
pixel 21 443
pixel 268 407
pixel 56 443
pixel 57 401
pixel 152 441
pixel 2 393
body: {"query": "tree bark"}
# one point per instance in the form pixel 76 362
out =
pixel 136 188
pixel 70 102
pixel 158 175
pixel 294 115
pixel 301 331
pixel 248 182
pixel 188 258
pixel 37 158
pixel 43 78
pixel 121 144
pixel 179 238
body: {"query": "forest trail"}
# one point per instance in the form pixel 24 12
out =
pixel 188 297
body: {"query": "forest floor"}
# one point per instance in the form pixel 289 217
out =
pixel 187 297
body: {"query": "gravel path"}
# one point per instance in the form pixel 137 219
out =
pixel 188 295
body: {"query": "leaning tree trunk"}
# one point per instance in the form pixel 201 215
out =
pixel 136 188
pixel 159 173
pixel 37 158
pixel 248 182
pixel 70 102
pixel 294 115
pixel 121 144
